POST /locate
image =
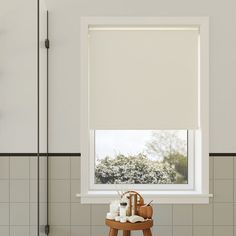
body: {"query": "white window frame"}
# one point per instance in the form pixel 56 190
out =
pixel 199 191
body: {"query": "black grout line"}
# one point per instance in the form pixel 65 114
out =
pixel 32 154
pixel 28 202
pixel 218 154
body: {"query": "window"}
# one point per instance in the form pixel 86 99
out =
pixel 153 158
pixel 144 108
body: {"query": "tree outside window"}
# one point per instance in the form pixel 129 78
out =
pixel 162 160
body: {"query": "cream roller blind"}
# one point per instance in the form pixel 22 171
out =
pixel 143 78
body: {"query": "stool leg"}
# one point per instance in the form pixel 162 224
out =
pixel 113 232
pixel 126 233
pixel 147 232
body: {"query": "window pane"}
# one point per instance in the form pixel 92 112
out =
pixel 141 157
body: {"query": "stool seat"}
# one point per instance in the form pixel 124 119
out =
pixel 127 227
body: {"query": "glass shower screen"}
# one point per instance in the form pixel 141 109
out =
pixel 42 158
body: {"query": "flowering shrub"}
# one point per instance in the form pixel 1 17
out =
pixel 133 170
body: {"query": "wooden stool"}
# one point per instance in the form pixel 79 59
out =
pixel 127 227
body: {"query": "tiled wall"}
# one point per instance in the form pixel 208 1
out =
pixel 70 218
pixel 18 196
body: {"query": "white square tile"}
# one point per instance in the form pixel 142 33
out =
pixel 203 231
pixel 19 214
pixel 19 231
pixel 4 213
pixel 99 231
pixel 59 167
pixel 211 168
pixel 4 191
pixel 43 167
pixel 43 213
pixel 19 190
pixel 4 230
pixel 162 214
pixel 60 214
pixel 33 190
pixel 182 214
pixel 235 188
pixel 42 190
pixel 41 233
pixel 211 183
pixel 162 231
pixel 60 231
pixel 75 167
pixel 223 190
pixel 19 167
pixel 223 214
pixel 223 230
pixel 182 231
pixel 59 191
pixel 134 233
pixel 33 214
pixel 80 230
pixel 75 188
pixel 33 167
pixel 99 212
pixel 33 231
pixel 234 160
pixel 223 167
pixel 4 167
pixel 203 214
pixel 235 214
pixel 80 214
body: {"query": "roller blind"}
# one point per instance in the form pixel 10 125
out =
pixel 143 78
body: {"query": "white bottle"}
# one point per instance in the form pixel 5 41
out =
pixel 114 207
pixel 123 206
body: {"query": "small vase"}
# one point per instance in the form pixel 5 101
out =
pixel 146 211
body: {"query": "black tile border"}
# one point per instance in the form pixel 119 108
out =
pixel 27 154
pixel 221 154
pixel 212 154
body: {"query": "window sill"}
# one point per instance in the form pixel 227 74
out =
pixel 165 197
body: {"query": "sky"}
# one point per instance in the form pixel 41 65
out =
pixel 127 142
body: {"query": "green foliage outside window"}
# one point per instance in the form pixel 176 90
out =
pixel 168 164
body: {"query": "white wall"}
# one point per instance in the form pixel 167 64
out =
pixel 65 61
pixel 18 97
pixel 18 115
